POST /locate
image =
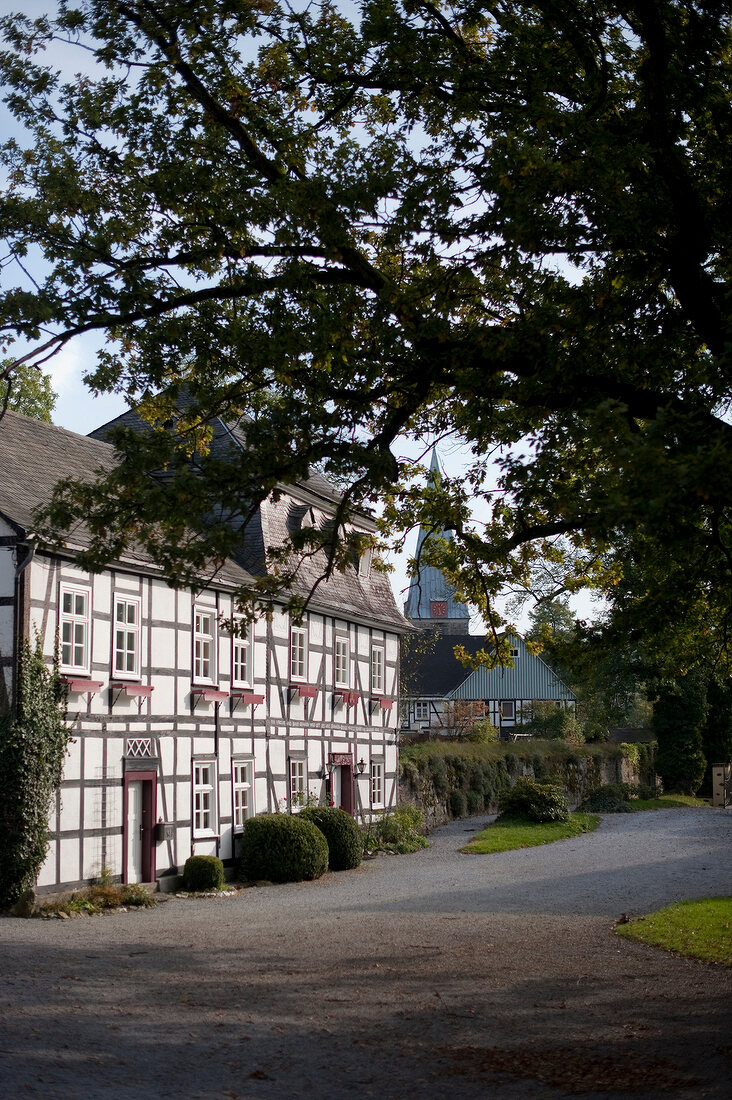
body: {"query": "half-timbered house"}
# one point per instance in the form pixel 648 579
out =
pixel 182 730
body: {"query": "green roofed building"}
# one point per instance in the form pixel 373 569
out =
pixel 432 677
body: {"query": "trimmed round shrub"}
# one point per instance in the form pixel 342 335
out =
pixel 203 873
pixel 534 801
pixel 282 848
pixel 458 804
pixel 345 841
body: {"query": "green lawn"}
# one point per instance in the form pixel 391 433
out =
pixel 702 929
pixel 504 836
pixel 666 802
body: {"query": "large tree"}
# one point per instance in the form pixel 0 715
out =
pixel 506 220
pixel 26 389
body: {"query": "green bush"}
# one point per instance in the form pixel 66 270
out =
pixel 345 841
pixel 397 831
pixel 282 848
pixel 610 798
pixel 481 733
pixel 438 775
pixel 534 801
pixel 679 712
pixel 458 804
pixel 32 753
pixel 475 802
pixel 552 722
pixel 203 873
pixel 540 767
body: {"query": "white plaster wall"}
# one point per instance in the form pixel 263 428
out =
pixel 317 629
pixel 127 582
pixel 70 864
pixel 6 630
pixel 7 570
pixel 70 809
pixel 113 861
pixel 163 599
pixel 94 756
pixel 47 873
pixel 260 651
pixel 277 756
pixel 72 764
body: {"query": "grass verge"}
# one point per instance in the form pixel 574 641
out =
pixel 666 802
pixel 510 833
pixel 701 929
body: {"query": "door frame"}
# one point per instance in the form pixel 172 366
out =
pixel 347 792
pixel 149 780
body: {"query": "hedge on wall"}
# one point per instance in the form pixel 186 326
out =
pixel 32 750
pixel 448 780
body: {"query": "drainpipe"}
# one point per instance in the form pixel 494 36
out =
pixel 19 613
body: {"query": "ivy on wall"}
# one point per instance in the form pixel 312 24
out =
pixel 33 746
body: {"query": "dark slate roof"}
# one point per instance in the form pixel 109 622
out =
pixel 364 598
pixel 35 455
pixel 438 673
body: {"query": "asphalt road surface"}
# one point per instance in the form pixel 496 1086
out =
pixel 436 975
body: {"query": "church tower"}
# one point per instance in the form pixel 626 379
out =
pixel 431 599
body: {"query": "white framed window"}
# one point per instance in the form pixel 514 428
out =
pixel 377 783
pixel 204 645
pixel 126 637
pixel 341 662
pixel 298 784
pixel 421 710
pixel 298 653
pixel 243 792
pixel 377 669
pixel 506 708
pixel 514 652
pixel 242 653
pixel 75 628
pixel 204 798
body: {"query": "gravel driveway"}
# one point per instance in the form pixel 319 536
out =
pixel 436 975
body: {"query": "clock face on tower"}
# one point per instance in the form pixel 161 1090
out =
pixel 438 609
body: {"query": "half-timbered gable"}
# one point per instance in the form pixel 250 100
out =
pixel 183 727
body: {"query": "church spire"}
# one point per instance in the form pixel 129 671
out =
pixel 431 599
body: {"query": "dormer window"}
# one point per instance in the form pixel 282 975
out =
pixel 364 562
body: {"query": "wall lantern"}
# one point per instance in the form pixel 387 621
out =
pixel 361 765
